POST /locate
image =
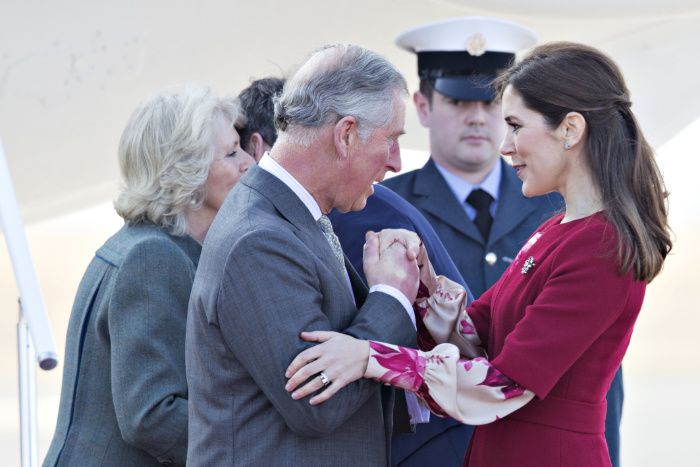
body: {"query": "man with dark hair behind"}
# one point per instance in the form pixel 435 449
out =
pixel 257 102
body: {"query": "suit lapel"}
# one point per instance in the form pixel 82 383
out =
pixel 359 288
pixel 436 198
pixel 513 207
pixel 281 196
pixel 291 208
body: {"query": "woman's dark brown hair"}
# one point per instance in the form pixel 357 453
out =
pixel 558 78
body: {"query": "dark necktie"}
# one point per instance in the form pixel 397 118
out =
pixel 481 201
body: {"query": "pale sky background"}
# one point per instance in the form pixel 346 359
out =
pixel 661 369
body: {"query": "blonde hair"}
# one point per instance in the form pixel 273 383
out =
pixel 165 153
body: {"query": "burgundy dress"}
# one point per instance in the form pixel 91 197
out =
pixel 555 328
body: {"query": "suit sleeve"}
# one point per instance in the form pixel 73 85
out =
pixel 277 294
pixel 147 318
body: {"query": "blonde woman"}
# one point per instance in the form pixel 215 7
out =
pixel 124 394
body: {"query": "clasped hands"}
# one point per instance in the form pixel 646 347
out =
pixel 393 257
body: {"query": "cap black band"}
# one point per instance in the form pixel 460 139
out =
pixel 437 64
pixel 474 87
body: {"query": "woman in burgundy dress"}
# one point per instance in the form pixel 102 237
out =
pixel 532 359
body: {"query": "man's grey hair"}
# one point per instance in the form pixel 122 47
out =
pixel 165 153
pixel 337 81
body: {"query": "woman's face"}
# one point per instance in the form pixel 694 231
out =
pixel 537 153
pixel 230 162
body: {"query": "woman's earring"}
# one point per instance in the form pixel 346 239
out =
pixel 567 145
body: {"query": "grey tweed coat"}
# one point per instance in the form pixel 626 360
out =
pixel 124 393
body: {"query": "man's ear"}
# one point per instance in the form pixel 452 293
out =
pixel 257 146
pixel 572 129
pixel 423 108
pixel 345 135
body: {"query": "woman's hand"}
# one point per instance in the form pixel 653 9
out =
pixel 409 240
pixel 392 263
pixel 426 274
pixel 341 358
pixel 414 250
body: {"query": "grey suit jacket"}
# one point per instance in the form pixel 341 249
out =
pixel 516 219
pixel 124 393
pixel 266 274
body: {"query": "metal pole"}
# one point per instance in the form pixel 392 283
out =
pixel 33 307
pixel 33 330
pixel 27 393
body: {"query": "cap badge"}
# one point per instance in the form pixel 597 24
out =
pixel 476 44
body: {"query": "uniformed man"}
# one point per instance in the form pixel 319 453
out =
pixel 466 190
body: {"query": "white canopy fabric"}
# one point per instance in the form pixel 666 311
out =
pixel 72 71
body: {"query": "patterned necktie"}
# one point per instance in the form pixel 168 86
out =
pixel 327 228
pixel 481 201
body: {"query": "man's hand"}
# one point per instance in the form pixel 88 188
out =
pixel 392 266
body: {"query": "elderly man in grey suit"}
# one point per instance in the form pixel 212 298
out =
pixel 272 267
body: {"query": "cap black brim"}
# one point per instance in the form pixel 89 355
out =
pixel 466 88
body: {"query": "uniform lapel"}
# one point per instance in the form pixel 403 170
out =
pixel 434 196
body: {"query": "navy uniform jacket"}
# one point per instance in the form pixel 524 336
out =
pixel 442 441
pixel 481 262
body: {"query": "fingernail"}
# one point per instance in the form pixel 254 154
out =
pixel 295 396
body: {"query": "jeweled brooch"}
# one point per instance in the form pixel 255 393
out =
pixel 529 264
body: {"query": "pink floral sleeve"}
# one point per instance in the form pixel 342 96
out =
pixel 443 314
pixel 471 391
